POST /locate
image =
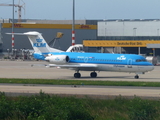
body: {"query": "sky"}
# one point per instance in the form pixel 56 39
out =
pixel 84 9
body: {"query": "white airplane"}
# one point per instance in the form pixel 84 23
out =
pixel 81 61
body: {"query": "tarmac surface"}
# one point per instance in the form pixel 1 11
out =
pixel 23 69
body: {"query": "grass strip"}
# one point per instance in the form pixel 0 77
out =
pixel 79 82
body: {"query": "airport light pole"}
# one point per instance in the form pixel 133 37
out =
pixel 134 35
pixel 13 28
pixel 105 30
pixel 73 22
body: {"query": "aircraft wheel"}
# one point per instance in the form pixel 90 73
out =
pixel 93 74
pixel 77 75
pixel 136 77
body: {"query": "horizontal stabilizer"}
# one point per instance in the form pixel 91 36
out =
pixel 27 33
pixel 15 33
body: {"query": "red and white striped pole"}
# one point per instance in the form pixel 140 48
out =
pixel 73 37
pixel 13 29
pixel 73 22
pixel 12 40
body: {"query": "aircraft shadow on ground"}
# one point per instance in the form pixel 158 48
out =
pixel 99 77
pixel 110 77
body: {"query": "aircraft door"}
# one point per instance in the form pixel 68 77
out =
pixel 86 59
pixel 129 63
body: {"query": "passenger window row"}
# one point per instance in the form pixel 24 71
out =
pixel 106 60
pixel 141 60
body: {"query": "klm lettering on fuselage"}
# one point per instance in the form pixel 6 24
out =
pixel 122 57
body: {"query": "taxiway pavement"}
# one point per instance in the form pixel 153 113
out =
pixel 23 69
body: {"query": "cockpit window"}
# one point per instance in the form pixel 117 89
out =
pixel 141 60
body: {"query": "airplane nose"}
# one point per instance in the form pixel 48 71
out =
pixel 151 68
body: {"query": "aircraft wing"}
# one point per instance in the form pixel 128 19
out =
pixel 75 67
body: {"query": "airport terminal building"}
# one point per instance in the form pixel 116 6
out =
pixel 118 36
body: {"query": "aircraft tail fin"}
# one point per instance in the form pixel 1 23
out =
pixel 38 42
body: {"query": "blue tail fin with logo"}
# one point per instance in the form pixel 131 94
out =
pixel 38 42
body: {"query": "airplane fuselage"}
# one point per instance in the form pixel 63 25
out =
pixel 104 61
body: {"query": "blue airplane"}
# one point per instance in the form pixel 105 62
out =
pixel 81 61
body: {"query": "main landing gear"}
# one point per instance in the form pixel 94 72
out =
pixel 78 75
pixel 93 74
pixel 136 77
